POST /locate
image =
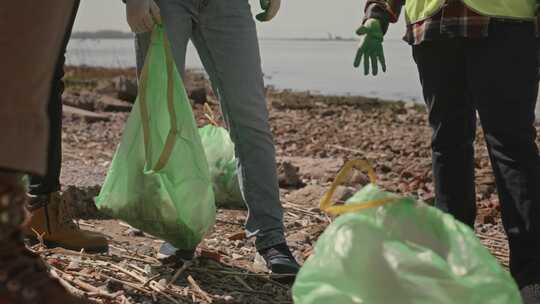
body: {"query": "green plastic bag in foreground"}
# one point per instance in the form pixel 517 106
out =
pixel 219 150
pixel 159 179
pixel 400 251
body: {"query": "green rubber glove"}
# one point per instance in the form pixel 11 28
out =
pixel 270 8
pixel 371 47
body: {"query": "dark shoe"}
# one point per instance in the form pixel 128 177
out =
pixel 280 260
pixel 531 294
pixel 47 218
pixel 170 254
pixel 23 275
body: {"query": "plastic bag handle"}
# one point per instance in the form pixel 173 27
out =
pixel 173 131
pixel 328 206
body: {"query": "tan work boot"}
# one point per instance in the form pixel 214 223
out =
pixel 48 219
pixel 23 275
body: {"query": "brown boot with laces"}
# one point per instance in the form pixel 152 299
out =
pixel 23 275
pixel 49 219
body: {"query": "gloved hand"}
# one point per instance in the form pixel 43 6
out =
pixel 371 47
pixel 142 15
pixel 271 8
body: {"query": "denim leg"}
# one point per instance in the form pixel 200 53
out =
pixel 225 36
pixel 226 39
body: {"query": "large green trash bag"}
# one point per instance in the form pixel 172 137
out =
pixel 220 155
pixel 159 179
pixel 400 251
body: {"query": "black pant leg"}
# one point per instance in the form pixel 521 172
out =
pixel 452 117
pixel 502 72
pixel 51 181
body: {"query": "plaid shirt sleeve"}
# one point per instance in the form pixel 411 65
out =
pixel 386 11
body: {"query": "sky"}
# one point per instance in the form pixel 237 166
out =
pixel 297 18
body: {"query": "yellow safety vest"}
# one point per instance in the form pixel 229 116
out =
pixel 418 10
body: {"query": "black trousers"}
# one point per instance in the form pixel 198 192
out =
pixel 496 77
pixel 49 183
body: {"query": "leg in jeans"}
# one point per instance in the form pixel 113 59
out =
pixel 51 181
pixel 226 40
pixel 506 99
pixel 441 65
pixel 225 36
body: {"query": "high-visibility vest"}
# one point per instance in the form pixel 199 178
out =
pixel 418 10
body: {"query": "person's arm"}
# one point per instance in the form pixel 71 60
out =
pixel 142 15
pixel 378 15
pixel 270 8
pixel 385 11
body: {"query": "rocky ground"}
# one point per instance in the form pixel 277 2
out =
pixel 314 136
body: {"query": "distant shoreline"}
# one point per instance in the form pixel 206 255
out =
pixel 110 34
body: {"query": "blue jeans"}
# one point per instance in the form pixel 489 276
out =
pixel 224 34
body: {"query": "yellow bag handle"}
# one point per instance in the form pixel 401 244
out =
pixel 328 206
pixel 145 118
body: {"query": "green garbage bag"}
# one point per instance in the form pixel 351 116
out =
pixel 220 155
pixel 398 250
pixel 159 179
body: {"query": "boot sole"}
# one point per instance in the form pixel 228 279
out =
pixel 50 244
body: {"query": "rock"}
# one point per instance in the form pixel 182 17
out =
pixel 307 196
pixel 163 282
pixel 106 87
pixel 79 202
pixel 146 250
pixel 133 232
pixel 288 176
pixel 344 193
pixel 358 179
pixel 411 105
pixel 74 265
pixel 199 95
pixel 122 87
pixel 149 270
pixel 318 169
pixel 237 236
pixel 85 100
pixel 93 102
pixel 84 114
pixel 310 196
pixel 429 199
pixel 488 215
pixel 328 113
pixel 486 219
pixel 113 286
pixel 259 265
pixel 110 104
pixel 126 88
